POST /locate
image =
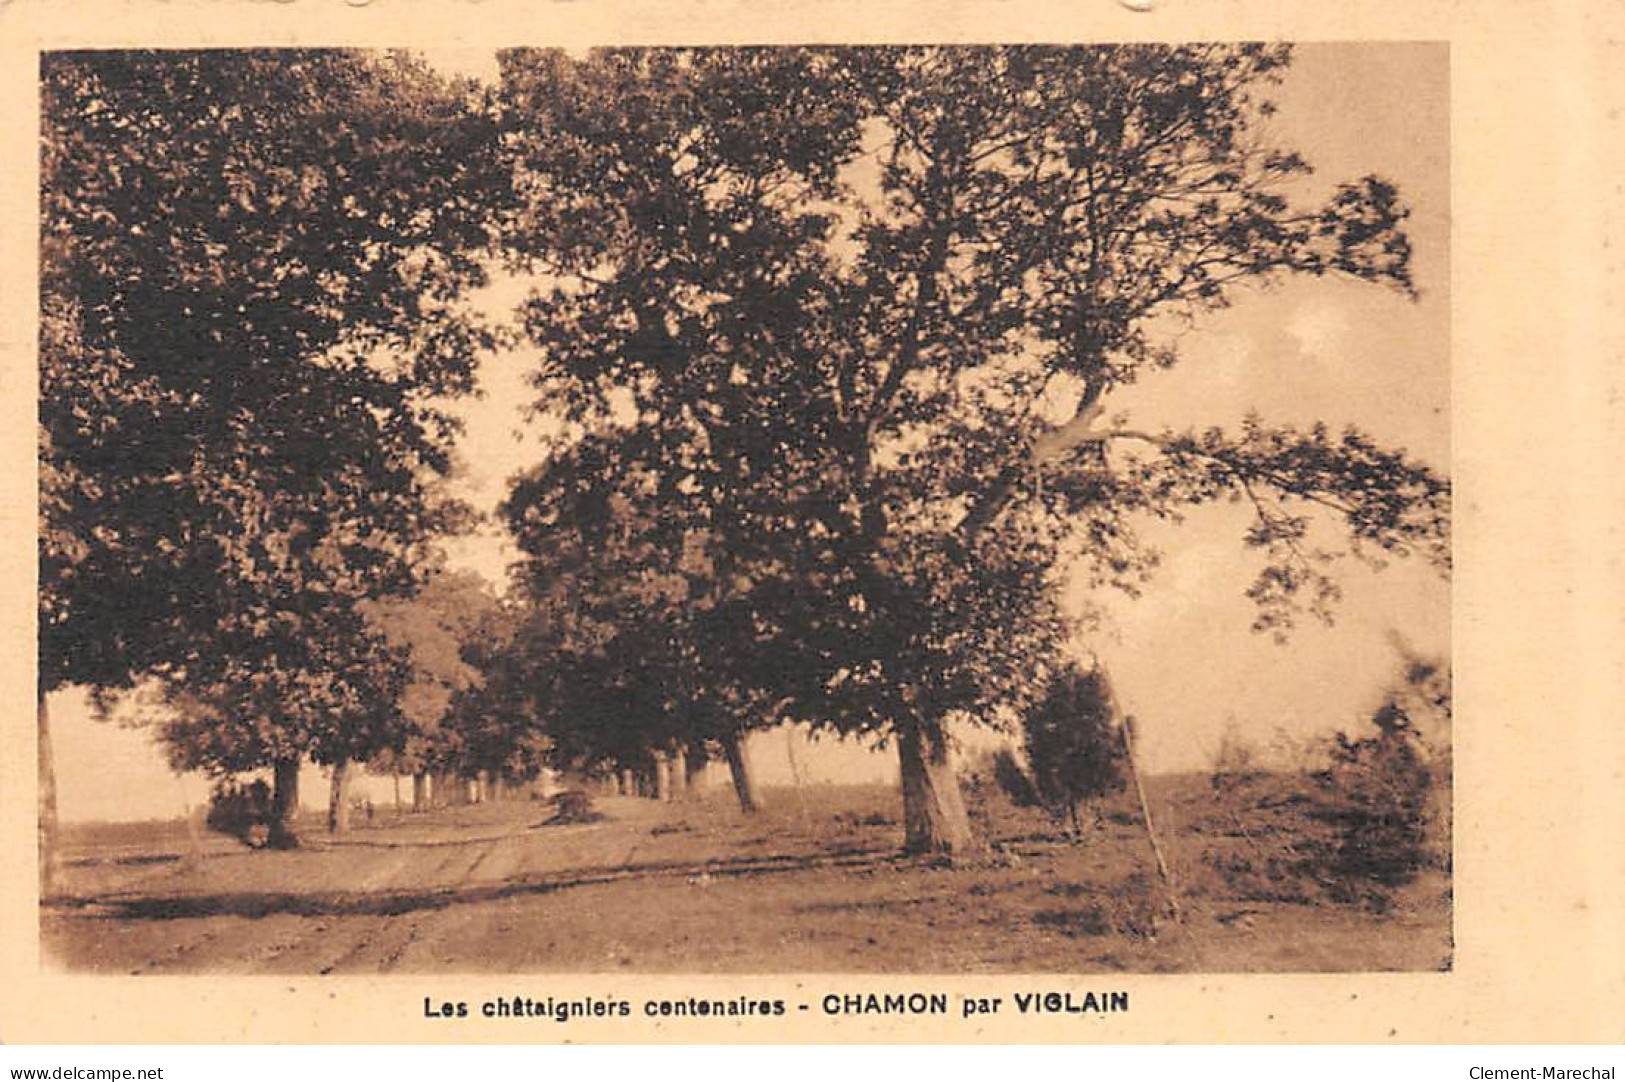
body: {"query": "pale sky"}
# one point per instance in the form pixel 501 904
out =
pixel 1182 657
pixel 1345 353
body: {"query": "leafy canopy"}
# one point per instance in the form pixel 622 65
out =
pixel 852 317
pixel 252 265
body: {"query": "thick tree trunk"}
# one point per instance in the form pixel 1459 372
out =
pixel 629 783
pixel 284 805
pixel 49 880
pixel 733 746
pixel 397 780
pixel 338 799
pixel 420 791
pixel 934 818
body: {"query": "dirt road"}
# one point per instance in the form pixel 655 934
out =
pixel 813 885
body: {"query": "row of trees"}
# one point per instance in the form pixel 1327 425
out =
pixel 250 272
pixel 831 334
pixel 836 332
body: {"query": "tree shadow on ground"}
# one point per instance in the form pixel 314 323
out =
pixel 256 904
pixel 307 844
pixel 441 843
pixel 124 862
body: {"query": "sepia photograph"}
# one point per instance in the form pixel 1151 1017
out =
pixel 962 509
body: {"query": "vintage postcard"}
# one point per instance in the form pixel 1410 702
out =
pixel 822 523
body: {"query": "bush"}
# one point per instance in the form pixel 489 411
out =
pixel 573 806
pixel 1358 824
pixel 1235 761
pixel 1377 792
pixel 1387 794
pixel 1073 743
pixel 242 812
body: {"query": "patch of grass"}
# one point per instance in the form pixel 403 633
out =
pixel 815 883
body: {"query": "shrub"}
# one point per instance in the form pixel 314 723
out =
pixel 1376 794
pixel 242 812
pixel 1387 793
pixel 1073 742
pixel 1235 761
pixel 573 806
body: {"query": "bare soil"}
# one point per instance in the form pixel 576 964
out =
pixel 814 883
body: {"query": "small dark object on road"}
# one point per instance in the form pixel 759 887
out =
pixel 573 806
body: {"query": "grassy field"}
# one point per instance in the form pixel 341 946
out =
pixel 812 884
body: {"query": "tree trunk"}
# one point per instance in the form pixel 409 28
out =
pixel 420 791
pixel 678 773
pixel 733 746
pixel 284 805
pixel 196 815
pixel 396 778
pixel 338 799
pixel 629 783
pixel 694 764
pixel 49 879
pixel 934 816
pixel 662 773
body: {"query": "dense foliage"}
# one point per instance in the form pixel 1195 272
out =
pixel 251 271
pixel 830 336
pixel 847 321
pixel 1073 743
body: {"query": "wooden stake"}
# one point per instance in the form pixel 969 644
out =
pixel 1145 813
